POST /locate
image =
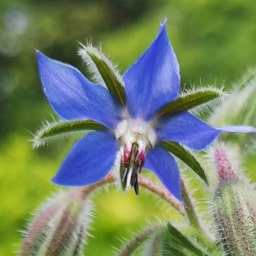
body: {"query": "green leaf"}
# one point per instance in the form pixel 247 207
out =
pixel 168 240
pixel 173 251
pixel 60 128
pixel 190 100
pixel 101 66
pixel 160 243
pixel 187 157
pixel 179 239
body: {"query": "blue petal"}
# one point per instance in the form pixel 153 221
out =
pixel 153 80
pixel 188 130
pixel 238 128
pixel 72 96
pixel 164 166
pixel 88 161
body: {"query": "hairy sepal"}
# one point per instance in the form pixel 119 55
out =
pixel 187 157
pixel 190 100
pixel 56 129
pixel 104 71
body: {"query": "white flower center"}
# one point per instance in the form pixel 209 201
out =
pixel 131 130
pixel 135 137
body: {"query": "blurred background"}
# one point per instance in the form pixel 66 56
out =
pixel 215 45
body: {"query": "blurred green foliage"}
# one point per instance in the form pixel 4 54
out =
pixel 214 42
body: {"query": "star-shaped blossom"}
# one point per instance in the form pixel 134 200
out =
pixel 135 120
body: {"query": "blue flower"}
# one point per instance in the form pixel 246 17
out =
pixel 133 130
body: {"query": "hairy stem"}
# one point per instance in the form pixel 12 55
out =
pixel 144 182
pixel 85 190
pixel 162 193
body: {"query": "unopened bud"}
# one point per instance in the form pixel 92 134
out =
pixel 234 208
pixel 59 226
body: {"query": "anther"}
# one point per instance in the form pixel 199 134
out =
pixel 130 167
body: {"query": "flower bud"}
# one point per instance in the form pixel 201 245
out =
pixel 59 226
pixel 234 208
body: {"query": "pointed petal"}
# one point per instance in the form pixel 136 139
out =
pixel 164 166
pixel 188 130
pixel 88 161
pixel 153 80
pixel 72 96
pixel 238 128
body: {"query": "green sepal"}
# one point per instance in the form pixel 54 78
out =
pixel 105 69
pixel 190 100
pixel 187 157
pixel 60 128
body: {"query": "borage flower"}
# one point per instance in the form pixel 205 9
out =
pixel 138 115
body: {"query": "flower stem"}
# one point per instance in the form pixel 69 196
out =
pixel 144 182
pixel 161 192
pixel 132 244
pixel 85 190
pixel 149 184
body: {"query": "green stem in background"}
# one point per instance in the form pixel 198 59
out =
pixel 191 211
pixel 189 207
